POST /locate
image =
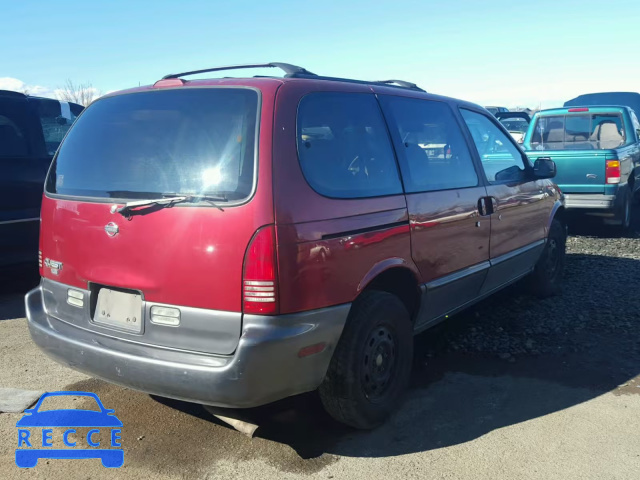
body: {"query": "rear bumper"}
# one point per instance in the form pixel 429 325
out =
pixel 265 367
pixel 599 203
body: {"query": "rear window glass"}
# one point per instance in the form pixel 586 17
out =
pixel 515 124
pixel 55 118
pixel 143 145
pixel 344 147
pixel 578 132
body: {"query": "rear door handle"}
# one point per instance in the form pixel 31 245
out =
pixel 487 206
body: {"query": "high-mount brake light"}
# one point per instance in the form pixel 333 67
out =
pixel 169 82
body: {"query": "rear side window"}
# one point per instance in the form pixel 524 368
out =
pixel 515 124
pixel 435 155
pixel 14 140
pixel 583 131
pixel 144 145
pixel 344 147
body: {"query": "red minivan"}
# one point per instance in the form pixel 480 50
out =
pixel 236 241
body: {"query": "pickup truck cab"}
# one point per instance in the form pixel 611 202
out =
pixel 597 152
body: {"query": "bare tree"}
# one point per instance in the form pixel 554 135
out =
pixel 83 93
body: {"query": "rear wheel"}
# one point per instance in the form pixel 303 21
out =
pixel 546 279
pixel 370 368
pixel 625 213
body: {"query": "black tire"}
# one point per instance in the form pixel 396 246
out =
pixel 625 214
pixel 370 368
pixel 546 279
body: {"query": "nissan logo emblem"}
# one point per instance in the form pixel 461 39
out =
pixel 111 229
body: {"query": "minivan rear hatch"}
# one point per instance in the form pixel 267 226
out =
pixel 192 150
pixel 579 143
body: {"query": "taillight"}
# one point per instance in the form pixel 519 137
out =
pixel 581 109
pixel 612 171
pixel 40 259
pixel 259 283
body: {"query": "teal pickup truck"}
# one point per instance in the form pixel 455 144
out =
pixel 597 153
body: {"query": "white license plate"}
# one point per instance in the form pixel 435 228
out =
pixel 119 310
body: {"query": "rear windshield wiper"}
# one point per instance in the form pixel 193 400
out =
pixel 169 199
pixel 210 198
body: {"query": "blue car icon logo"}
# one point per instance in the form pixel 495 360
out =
pixel 105 431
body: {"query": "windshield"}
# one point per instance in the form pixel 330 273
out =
pixel 515 124
pixel 597 131
pixel 144 145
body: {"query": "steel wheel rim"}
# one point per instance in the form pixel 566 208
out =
pixel 379 362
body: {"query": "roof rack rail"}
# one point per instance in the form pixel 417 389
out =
pixel 294 71
pixel 287 68
pixel 388 83
pixel 400 83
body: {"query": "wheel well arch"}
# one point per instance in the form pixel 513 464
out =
pixel 561 215
pixel 400 282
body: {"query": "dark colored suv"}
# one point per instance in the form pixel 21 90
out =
pixel 31 128
pixel 235 241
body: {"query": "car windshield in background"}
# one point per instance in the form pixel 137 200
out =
pixel 515 124
pixel 146 144
pixel 55 118
pixel 578 132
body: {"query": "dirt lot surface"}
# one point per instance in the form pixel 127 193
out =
pixel 515 388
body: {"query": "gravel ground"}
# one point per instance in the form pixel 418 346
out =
pixel 600 302
pixel 514 388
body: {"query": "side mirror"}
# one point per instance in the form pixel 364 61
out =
pixel 511 174
pixel 544 167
